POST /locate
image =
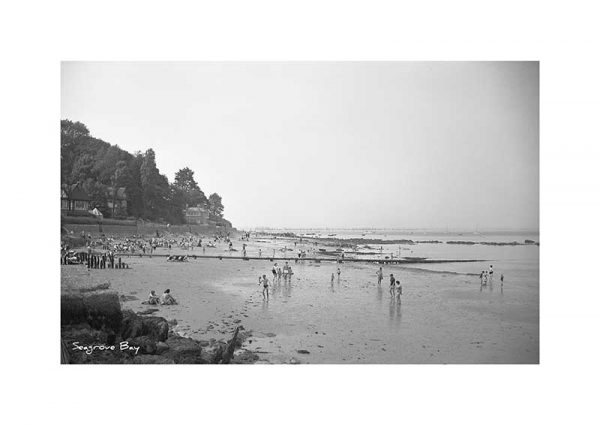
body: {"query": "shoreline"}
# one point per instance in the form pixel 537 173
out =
pixel 349 321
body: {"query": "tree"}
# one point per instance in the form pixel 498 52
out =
pixel 215 205
pixel 151 185
pixel 184 181
pixel 82 169
pixel 73 130
pixel 118 179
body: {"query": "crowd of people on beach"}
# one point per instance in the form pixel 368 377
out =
pixel 486 276
pixel 137 244
pixel 395 284
pixel 279 274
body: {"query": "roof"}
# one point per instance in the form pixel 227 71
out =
pixel 195 211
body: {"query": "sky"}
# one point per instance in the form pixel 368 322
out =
pixel 330 144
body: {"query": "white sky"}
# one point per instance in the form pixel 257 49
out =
pixel 331 144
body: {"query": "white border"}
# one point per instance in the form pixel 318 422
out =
pixel 37 35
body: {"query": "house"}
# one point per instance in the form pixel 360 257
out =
pixel 196 215
pixel 74 200
pixel 116 202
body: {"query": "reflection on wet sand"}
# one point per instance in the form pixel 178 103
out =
pixel 395 310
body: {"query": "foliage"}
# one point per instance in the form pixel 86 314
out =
pixel 215 205
pixel 97 166
pixel 192 194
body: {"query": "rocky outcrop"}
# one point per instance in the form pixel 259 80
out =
pixel 139 339
pixel 134 326
pixel 100 310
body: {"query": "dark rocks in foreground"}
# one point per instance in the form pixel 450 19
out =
pixel 95 330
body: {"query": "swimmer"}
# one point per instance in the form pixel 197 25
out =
pixel 392 285
pixel 398 289
pixel 265 283
pixel 379 276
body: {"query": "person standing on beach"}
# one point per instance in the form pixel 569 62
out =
pixel 265 283
pixel 259 253
pixel 491 272
pixel 392 285
pixel 398 289
pixel 332 278
pixel 379 276
pixel 339 272
pixel 274 271
pixel 502 280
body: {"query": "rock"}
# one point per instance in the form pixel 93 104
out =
pixel 244 357
pixel 149 359
pixel 128 298
pixel 147 345
pixel 147 311
pixel 161 347
pixel 157 327
pixel 303 351
pixel 99 287
pixel 101 310
pixel 184 350
pixel 133 326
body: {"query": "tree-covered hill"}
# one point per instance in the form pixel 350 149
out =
pixel 96 166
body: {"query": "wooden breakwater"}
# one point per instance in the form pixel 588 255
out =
pixel 310 259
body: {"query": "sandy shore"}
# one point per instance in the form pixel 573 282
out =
pixel 443 317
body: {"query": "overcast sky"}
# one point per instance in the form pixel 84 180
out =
pixel 331 144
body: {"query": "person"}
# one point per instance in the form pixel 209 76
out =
pixel 481 276
pixel 167 299
pixel 392 285
pixel 259 252
pixel 398 289
pixel 491 273
pixel 274 271
pixel 485 278
pixel 379 276
pixel 332 278
pixel 265 283
pixel 286 271
pixel 338 273
pixel 502 280
pixel 153 299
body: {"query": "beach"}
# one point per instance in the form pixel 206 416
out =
pixel 445 315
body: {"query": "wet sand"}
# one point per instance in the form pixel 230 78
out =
pixel 443 317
